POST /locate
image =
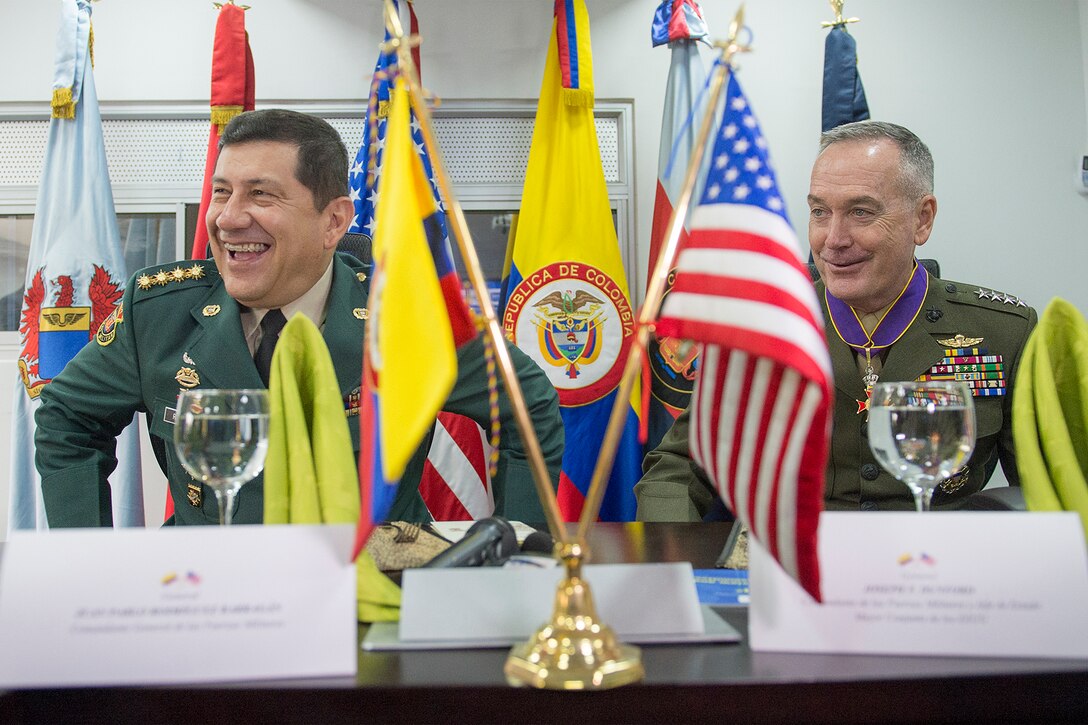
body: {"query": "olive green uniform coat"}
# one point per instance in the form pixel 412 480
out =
pixel 190 323
pixel 675 488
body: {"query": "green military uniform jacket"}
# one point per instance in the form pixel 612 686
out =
pixel 178 326
pixel 675 488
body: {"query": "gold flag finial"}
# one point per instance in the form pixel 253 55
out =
pixel 396 32
pixel 836 5
pixel 731 45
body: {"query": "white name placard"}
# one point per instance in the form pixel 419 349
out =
pixel 176 605
pixel 996 584
pixel 488 605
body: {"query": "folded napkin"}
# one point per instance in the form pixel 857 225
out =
pixel 309 474
pixel 1050 413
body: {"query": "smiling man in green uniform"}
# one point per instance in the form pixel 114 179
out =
pixel 279 207
pixel 871 205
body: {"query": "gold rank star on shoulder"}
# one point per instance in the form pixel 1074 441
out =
pixel 162 277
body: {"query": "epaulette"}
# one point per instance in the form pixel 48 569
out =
pixel 987 298
pixel 361 269
pixel 157 280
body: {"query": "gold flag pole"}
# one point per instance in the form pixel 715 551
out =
pixel 658 279
pixel 836 5
pixel 537 467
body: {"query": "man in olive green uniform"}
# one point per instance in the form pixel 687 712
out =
pixel 871 205
pixel 279 206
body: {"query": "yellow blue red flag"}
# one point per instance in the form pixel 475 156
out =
pixel 418 318
pixel 565 300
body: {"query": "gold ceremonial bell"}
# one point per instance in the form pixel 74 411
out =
pixel 573 651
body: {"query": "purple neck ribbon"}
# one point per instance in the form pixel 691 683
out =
pixel 892 325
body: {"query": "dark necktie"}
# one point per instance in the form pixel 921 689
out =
pixel 271 324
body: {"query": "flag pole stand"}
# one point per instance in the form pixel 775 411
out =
pixel 574 650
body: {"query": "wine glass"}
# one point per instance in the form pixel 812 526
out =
pixel 922 432
pixel 221 437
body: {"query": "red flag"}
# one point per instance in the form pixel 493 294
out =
pixel 760 409
pixel 232 93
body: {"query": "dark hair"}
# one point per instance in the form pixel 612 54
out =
pixel 322 157
pixel 915 161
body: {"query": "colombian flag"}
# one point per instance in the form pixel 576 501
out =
pixel 565 296
pixel 418 318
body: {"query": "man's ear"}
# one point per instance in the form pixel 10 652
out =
pixel 924 214
pixel 338 214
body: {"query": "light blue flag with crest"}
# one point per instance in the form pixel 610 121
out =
pixel 75 272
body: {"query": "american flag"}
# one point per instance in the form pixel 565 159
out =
pixel 760 409
pixel 364 177
pixel 453 485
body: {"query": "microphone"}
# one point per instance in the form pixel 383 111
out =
pixel 488 542
pixel 538 550
pixel 538 542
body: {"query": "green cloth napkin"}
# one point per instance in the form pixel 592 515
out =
pixel 1050 413
pixel 309 474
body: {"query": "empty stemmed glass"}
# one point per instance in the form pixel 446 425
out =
pixel 922 432
pixel 221 437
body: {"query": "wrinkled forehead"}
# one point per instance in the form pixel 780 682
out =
pixel 856 169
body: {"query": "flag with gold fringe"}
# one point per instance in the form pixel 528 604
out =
pixel 455 483
pixel 75 272
pixel 232 93
pixel 418 319
pixel 566 300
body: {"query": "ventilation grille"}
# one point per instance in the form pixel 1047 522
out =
pixel 171 152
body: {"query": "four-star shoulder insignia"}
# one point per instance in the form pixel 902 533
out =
pixel 163 277
pixel 1002 297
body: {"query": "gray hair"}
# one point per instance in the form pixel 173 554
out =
pixel 915 161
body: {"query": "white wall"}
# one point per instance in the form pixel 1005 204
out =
pixel 995 87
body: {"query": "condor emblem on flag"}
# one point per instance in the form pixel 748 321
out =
pixel 62 331
pixel 582 324
pixel 53 335
pixel 568 333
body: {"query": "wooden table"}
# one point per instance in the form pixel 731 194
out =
pixel 723 683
